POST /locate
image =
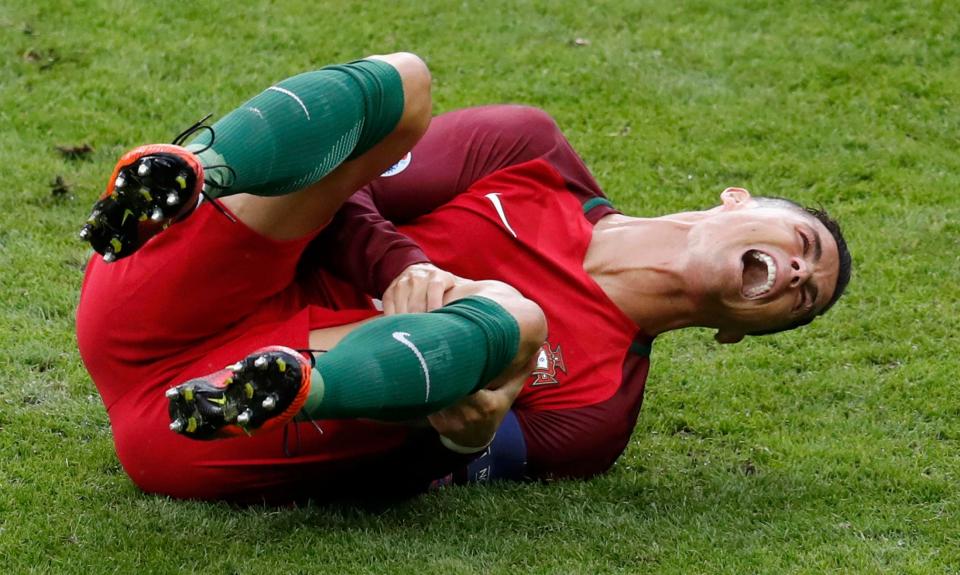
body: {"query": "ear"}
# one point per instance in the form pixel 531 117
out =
pixel 735 198
pixel 726 336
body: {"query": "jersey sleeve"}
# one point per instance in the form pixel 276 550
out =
pixel 564 443
pixel 362 244
pixel 585 441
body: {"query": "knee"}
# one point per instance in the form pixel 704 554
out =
pixel 533 326
pixel 416 79
pixel 528 314
pixel 530 119
pixel 532 132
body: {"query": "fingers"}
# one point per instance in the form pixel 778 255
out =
pixel 436 287
pixel 419 288
pixel 389 307
pixel 473 420
pixel 512 388
pixel 401 294
pixel 407 292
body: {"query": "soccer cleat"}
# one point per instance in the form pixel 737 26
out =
pixel 151 187
pixel 263 391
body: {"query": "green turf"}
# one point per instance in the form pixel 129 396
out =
pixel 830 450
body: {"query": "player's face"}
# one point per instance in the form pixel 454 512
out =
pixel 764 265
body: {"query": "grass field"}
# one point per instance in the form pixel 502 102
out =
pixel 829 450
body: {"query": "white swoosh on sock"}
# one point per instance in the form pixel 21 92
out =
pixel 292 95
pixel 402 338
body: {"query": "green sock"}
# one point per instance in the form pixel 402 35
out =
pixel 411 365
pixel 296 132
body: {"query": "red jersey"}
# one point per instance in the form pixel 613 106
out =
pixel 498 192
pixel 521 226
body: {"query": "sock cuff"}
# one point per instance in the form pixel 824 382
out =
pixel 383 101
pixel 500 328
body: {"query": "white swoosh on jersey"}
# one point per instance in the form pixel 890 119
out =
pixel 495 200
pixel 402 338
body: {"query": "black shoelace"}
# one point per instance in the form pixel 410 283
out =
pixel 287 452
pixel 199 126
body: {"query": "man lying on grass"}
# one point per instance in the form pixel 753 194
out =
pixel 322 394
pixel 512 201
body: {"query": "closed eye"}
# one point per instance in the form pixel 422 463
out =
pixel 805 300
pixel 805 242
pixel 801 301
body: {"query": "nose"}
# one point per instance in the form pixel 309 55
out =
pixel 799 271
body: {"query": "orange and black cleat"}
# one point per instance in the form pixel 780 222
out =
pixel 151 187
pixel 263 391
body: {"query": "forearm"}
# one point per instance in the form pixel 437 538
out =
pixel 363 248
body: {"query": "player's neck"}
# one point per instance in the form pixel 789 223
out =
pixel 640 264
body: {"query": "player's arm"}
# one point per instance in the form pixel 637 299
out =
pixel 458 149
pixel 578 442
pixel 584 441
pixel 484 427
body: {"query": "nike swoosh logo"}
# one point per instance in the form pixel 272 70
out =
pixel 402 336
pixel 495 200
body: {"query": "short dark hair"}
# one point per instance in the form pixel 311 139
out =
pixel 846 261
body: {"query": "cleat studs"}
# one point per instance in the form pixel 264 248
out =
pixel 261 362
pixel 119 182
pixel 156 214
pixel 109 257
pixel 143 169
pixel 236 368
pixel 86 232
pixel 244 418
pixel 173 199
pixel 269 402
pixel 177 426
pixel 172 393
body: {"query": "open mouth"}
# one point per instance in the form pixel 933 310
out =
pixel 759 274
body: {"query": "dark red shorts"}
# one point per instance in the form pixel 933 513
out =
pixel 200 296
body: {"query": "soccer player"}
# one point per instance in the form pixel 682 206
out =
pixel 488 193
pixel 497 192
pixel 219 287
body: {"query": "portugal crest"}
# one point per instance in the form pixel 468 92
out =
pixel 549 362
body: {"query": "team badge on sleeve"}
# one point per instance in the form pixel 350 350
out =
pixel 549 363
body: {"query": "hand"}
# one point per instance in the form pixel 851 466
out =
pixel 419 288
pixel 473 421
